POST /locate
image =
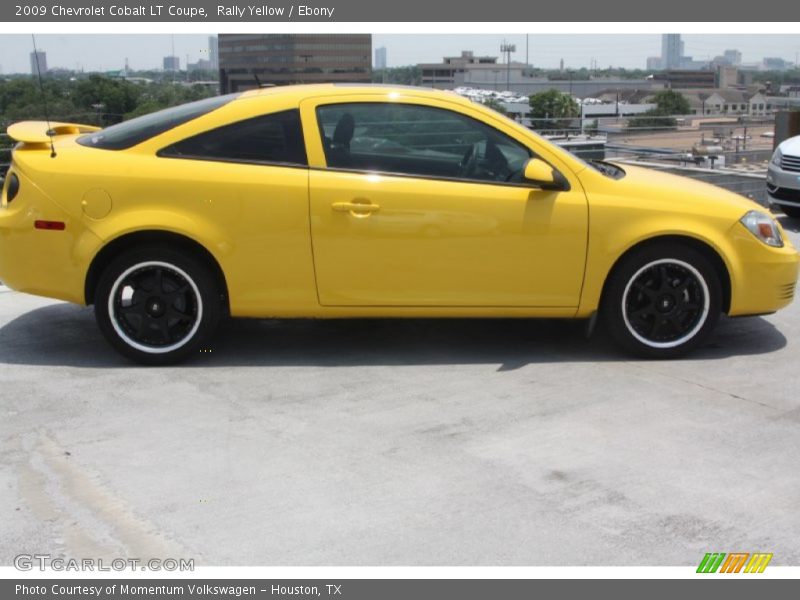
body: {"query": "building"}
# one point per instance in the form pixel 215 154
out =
pixel 654 63
pixel 484 72
pixel 249 60
pixel 729 76
pixel 689 64
pixel 671 51
pixel 466 69
pixel 380 58
pixel 776 64
pixel 40 57
pixel 673 57
pixel 213 52
pixel 201 65
pixel 172 63
pixel 728 102
pixel 677 79
pixel 733 57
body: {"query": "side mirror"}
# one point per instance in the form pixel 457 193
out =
pixel 539 172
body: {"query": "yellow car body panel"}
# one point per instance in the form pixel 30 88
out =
pixel 441 242
pixel 648 204
pixel 434 247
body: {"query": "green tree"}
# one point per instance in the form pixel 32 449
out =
pixel 553 109
pixel 668 103
pixel 495 105
pixel 111 97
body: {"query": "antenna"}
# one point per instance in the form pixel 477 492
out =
pixel 44 99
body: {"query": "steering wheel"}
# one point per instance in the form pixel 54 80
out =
pixel 469 163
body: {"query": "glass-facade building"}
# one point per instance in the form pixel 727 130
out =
pixel 247 60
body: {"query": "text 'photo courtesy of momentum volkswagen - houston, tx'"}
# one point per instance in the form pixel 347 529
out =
pixel 370 201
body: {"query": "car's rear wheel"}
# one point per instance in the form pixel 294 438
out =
pixel 791 211
pixel 157 305
pixel 662 301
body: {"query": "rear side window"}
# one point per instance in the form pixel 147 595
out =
pixel 273 139
pixel 129 133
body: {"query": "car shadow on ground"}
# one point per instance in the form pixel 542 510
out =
pixel 788 223
pixel 66 335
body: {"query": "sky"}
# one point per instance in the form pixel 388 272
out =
pixel 98 52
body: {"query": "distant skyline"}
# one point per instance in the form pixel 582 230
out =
pixel 101 52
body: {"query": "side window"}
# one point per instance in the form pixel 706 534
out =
pixel 274 138
pixel 417 140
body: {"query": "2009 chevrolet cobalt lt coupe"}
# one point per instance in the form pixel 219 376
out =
pixel 361 201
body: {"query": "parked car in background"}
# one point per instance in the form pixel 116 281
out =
pixel 783 177
pixel 370 201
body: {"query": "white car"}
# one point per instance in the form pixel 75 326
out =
pixel 783 177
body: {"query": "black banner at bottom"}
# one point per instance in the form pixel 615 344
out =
pixel 732 587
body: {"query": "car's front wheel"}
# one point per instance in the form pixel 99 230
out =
pixel 662 301
pixel 157 305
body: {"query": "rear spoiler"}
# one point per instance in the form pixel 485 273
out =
pixel 38 132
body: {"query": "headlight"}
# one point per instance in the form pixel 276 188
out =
pixel 763 227
pixel 776 157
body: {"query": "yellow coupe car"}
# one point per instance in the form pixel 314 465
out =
pixel 370 201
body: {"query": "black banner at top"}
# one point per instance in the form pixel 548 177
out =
pixel 515 11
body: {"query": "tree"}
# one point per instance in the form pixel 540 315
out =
pixel 553 109
pixel 495 105
pixel 668 103
pixel 111 97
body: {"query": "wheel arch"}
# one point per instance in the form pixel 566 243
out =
pixel 152 236
pixel 700 246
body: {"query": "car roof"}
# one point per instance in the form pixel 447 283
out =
pixel 302 91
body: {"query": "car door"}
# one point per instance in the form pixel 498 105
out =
pixel 420 203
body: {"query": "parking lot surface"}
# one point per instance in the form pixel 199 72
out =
pixel 441 442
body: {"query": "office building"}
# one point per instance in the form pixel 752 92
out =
pixel 249 60
pixel 39 56
pixel 671 51
pixel 172 63
pixel 380 58
pixel 732 57
pixel 213 52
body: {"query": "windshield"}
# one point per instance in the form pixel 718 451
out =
pixel 129 133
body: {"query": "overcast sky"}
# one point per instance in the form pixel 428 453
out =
pixel 145 51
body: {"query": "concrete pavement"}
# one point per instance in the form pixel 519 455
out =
pixel 398 443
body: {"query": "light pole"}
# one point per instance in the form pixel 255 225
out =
pixel 507 49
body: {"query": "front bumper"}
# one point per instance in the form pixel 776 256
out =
pixel 783 187
pixel 763 279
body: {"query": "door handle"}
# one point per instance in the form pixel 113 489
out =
pixel 355 207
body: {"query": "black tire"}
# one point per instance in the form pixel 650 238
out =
pixel 662 301
pixel 157 305
pixel 791 211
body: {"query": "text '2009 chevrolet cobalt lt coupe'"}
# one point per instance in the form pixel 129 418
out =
pixel 361 201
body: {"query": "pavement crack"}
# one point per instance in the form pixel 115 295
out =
pixel 704 386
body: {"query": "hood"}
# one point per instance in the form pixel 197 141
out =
pixel 790 146
pixel 683 194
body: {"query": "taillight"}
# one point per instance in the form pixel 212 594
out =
pixel 13 187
